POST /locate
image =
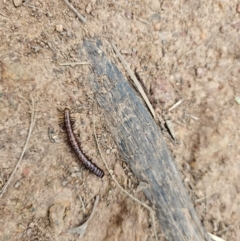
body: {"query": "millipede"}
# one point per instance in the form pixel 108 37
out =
pixel 68 124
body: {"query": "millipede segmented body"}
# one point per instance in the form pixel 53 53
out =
pixel 68 123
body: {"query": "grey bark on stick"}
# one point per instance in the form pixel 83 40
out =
pixel 142 146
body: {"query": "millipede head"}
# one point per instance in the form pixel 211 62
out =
pixel 62 118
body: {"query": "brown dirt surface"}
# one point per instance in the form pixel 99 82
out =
pixel 181 50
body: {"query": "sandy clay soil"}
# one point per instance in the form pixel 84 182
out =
pixel 187 51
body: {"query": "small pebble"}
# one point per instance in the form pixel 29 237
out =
pixel 74 174
pixel 23 132
pixel 108 151
pixel 141 186
pixel 42 44
pixel 79 174
pixel 154 5
pixel 186 180
pixel 69 34
pixel 29 231
pixel 17 3
pixel 128 14
pixel 157 26
pixel 17 185
pixel 200 72
pixel 237 99
pixel 118 170
pixel 31 225
pixel 64 183
pixel 59 28
pixel 37 4
pixel 49 15
pixel 89 8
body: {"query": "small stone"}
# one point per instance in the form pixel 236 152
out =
pixel 29 231
pixel 17 3
pixel 108 151
pixel 89 8
pixel 200 72
pixel 31 225
pixel 186 180
pixel 59 28
pixel 17 185
pixel 23 132
pixel 79 174
pixel 64 183
pixel 42 44
pixel 114 150
pixel 141 186
pixel 49 15
pixel 36 49
pixel 69 34
pixel 128 14
pixel 157 26
pixel 75 24
pixel 237 99
pixel 118 170
pixel 74 174
pixel 154 5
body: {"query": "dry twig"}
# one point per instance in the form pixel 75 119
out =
pixel 73 63
pixel 80 17
pixel 192 116
pixel 127 193
pixel 33 109
pixel 176 105
pixel 135 80
pixel 82 203
pixel 3 14
pixel 215 238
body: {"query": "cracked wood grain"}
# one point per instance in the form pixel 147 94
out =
pixel 142 146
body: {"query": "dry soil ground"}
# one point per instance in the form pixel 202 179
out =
pixel 181 50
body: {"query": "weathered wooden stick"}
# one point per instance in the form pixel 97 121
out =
pixel 143 148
